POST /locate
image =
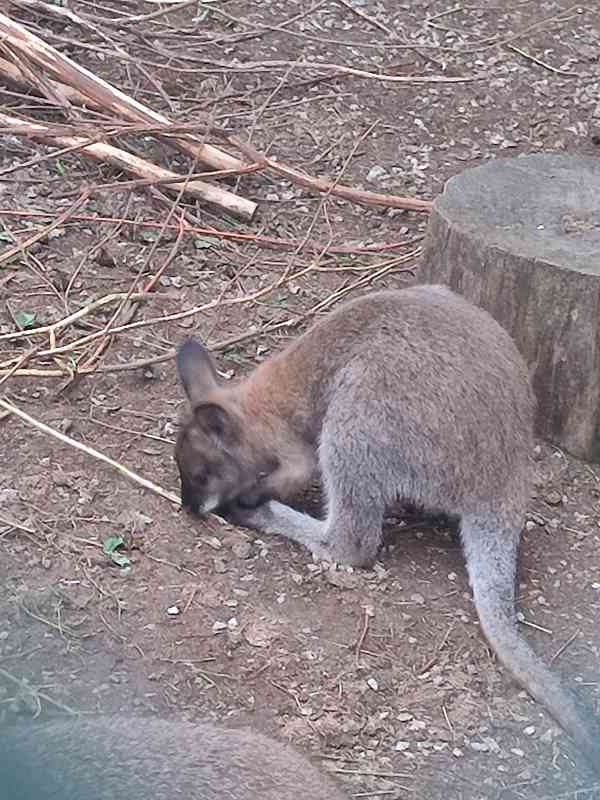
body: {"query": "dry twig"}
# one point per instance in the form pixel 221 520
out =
pixel 63 69
pixel 100 151
pixel 153 487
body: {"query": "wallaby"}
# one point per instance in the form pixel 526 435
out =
pixel 404 395
pixel 107 758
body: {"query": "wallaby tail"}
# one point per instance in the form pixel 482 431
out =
pixel 491 562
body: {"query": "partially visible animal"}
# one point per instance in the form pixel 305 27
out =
pixel 405 395
pixel 133 758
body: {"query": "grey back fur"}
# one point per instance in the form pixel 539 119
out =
pixel 131 758
pixel 408 395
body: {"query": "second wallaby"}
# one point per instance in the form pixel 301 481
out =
pixel 405 395
pixel 135 758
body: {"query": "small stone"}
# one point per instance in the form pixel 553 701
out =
pixel 492 744
pixel 553 498
pixel 372 684
pixel 529 730
pixel 259 634
pixel 65 425
pixel 376 173
pixel 213 542
pixel 401 746
pixel 341 579
pixel 405 716
pixel 380 571
pixel 480 747
pixel 242 550
pixel 173 611
pixel 219 626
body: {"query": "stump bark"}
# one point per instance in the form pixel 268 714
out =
pixel 520 237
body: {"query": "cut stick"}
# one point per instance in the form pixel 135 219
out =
pixel 208 192
pixel 63 69
pixel 12 74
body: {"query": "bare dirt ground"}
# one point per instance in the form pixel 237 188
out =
pixel 383 675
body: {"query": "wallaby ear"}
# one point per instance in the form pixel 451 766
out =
pixel 215 420
pixel 196 370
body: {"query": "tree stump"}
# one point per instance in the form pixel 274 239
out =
pixel 520 237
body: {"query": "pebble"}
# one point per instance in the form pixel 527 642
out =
pixel 376 173
pixel 242 550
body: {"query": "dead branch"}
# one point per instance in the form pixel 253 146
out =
pixel 260 66
pixel 270 242
pixel 63 69
pixel 369 277
pixel 107 153
pixel 323 185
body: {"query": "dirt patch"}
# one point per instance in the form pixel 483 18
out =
pixel 382 673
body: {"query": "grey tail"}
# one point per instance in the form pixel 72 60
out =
pixel 491 562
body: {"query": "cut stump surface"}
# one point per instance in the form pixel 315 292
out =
pixel 520 237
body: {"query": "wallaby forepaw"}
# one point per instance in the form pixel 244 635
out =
pixel 246 517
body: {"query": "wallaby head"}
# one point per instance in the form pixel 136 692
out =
pixel 217 463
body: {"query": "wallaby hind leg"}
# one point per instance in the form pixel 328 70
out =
pixel 355 505
pixel 491 551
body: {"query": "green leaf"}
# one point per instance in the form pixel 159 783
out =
pixel 111 544
pixel 120 559
pixel 203 242
pixel 6 236
pixel 25 319
pixel 60 168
